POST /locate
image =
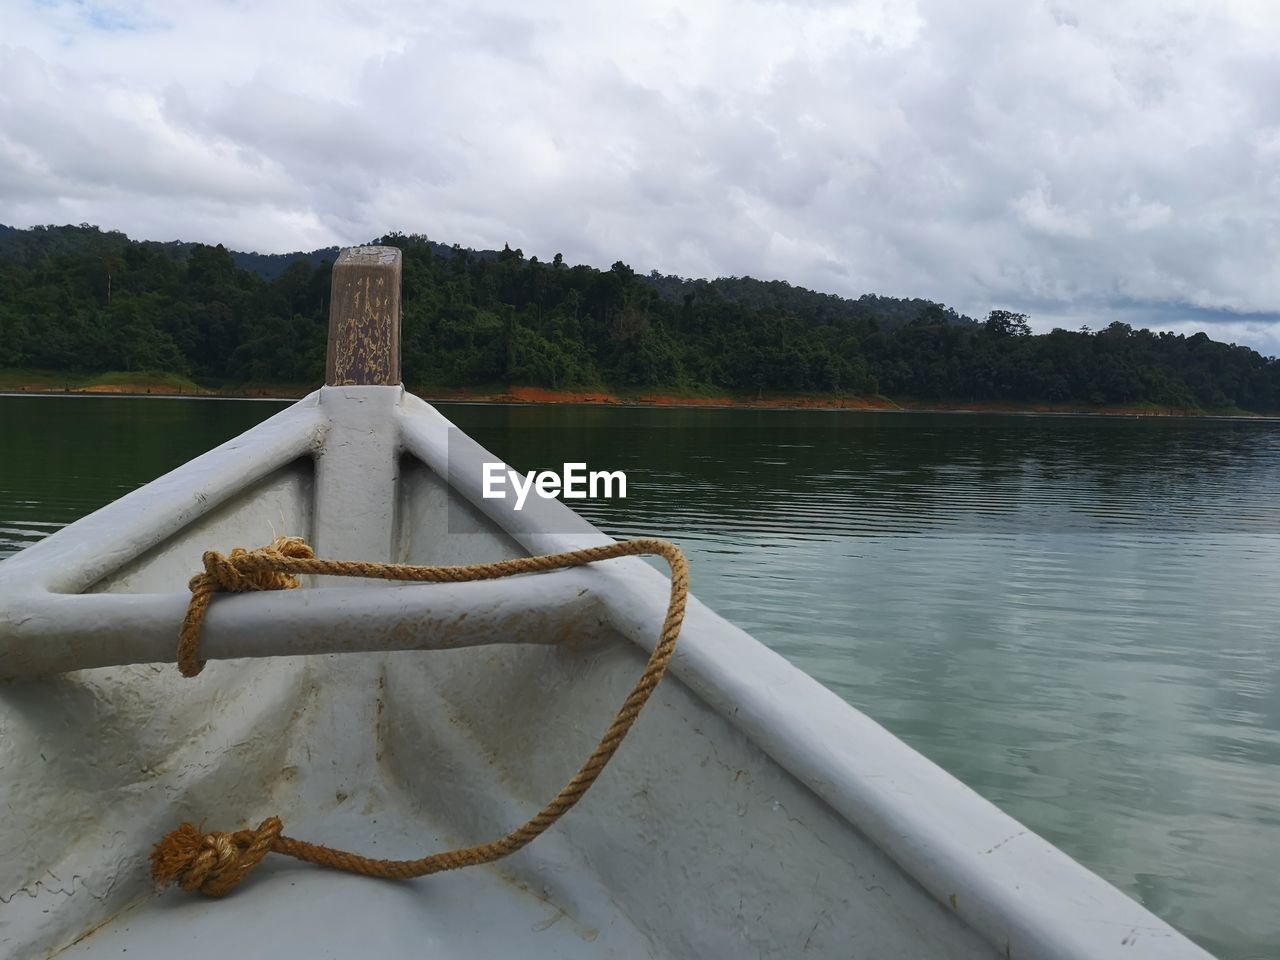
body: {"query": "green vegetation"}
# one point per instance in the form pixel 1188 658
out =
pixel 158 378
pixel 55 380
pixel 46 380
pixel 83 300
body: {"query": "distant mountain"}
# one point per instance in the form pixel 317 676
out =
pixel 817 309
pixel 29 246
pixel 83 299
pixel 271 265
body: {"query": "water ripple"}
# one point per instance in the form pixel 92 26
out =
pixel 1075 616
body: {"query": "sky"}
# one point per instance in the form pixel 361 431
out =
pixel 1078 161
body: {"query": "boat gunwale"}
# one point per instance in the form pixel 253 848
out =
pixel 1019 892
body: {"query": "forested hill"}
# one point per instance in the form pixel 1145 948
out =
pixel 85 300
pixel 30 247
pixel 815 308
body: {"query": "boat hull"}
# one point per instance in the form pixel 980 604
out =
pixel 750 812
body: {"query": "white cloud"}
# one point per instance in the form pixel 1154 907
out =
pixel 1046 156
pixel 1037 210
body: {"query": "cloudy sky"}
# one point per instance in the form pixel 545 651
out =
pixel 1082 161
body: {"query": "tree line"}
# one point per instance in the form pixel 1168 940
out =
pixel 85 300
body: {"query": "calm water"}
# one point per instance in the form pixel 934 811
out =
pixel 1077 617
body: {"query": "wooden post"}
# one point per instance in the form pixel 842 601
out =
pixel 364 318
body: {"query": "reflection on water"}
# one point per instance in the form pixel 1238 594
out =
pixel 64 456
pixel 1076 616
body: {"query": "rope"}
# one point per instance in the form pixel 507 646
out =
pixel 214 863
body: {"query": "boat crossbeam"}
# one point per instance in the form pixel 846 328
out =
pixel 51 634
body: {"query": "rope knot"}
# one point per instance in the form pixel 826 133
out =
pixel 243 571
pixel 212 863
pixel 247 570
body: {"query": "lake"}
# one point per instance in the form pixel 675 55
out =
pixel 1076 616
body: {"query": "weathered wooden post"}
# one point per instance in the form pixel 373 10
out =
pixel 364 318
pixel 357 477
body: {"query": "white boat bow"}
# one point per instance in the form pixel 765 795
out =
pixel 751 812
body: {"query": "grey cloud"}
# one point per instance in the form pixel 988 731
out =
pixel 1063 158
pixel 78 142
pixel 510 37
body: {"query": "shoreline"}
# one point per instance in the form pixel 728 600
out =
pixel 542 395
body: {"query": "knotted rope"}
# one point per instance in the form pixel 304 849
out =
pixel 238 573
pixel 214 863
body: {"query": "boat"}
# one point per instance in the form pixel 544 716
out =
pixel 750 812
